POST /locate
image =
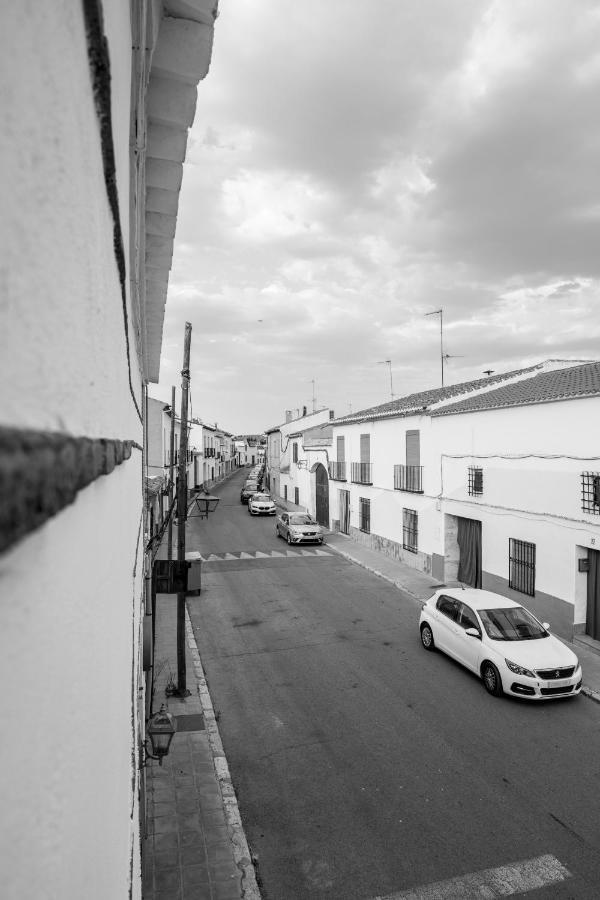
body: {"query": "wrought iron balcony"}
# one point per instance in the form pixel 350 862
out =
pixel 337 470
pixel 408 478
pixel 361 473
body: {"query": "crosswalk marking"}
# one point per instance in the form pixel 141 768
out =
pixel 505 881
pixel 260 554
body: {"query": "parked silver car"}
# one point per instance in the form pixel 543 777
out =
pixel 299 528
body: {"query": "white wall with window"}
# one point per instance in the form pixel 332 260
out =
pixel 538 465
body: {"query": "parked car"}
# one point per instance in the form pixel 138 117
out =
pixel 298 528
pixel 250 487
pixel 502 642
pixel 261 505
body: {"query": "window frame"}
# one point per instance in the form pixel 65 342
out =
pixel 410 530
pixel 364 515
pixel 475 481
pixel 521 566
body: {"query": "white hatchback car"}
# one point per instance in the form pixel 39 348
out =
pixel 261 505
pixel 502 642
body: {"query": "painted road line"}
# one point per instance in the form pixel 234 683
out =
pixel 505 881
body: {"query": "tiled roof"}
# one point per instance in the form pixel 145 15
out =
pixel 562 384
pixel 422 401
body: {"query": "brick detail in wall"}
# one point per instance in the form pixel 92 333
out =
pixel 41 472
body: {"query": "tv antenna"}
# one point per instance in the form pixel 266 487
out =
pixel 440 313
pixel 388 362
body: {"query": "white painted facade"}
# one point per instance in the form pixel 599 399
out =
pixel 291 464
pixel 77 345
pixel 532 459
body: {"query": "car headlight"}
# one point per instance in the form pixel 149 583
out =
pixel 519 670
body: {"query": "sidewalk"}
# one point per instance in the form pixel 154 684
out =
pixel 196 846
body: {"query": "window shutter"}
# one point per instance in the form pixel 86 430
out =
pixel 341 449
pixel 365 448
pixel 413 448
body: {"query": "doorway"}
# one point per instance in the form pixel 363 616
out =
pixel 322 495
pixel 344 502
pixel 592 619
pixel 469 544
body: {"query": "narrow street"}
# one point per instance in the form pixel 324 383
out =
pixel 365 767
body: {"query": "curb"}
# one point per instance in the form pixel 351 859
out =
pixel 241 851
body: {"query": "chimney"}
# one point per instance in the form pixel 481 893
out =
pixel 288 416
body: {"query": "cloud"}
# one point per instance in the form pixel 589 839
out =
pixel 355 166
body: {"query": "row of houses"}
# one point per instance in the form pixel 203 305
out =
pixel 212 454
pixel 494 483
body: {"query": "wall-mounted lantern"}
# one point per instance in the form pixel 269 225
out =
pixel 160 730
pixel 203 502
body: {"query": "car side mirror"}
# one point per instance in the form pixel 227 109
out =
pixel 472 632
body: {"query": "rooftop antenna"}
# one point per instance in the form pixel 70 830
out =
pixel 314 399
pixel 488 372
pixel 388 362
pixel 440 313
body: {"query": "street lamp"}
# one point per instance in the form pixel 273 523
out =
pixel 204 502
pixel 160 730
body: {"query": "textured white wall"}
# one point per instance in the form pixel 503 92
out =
pixel 70 593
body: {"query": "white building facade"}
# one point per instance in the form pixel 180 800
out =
pixel 490 483
pixel 97 102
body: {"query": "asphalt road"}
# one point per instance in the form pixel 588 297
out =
pixel 366 767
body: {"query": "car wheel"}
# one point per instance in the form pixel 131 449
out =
pixel 288 538
pixel 427 637
pixel 491 679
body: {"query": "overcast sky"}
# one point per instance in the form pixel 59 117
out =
pixel 356 165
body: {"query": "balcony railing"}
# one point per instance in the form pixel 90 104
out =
pixel 361 472
pixel 408 478
pixel 337 470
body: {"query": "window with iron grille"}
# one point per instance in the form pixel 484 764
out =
pixel 410 530
pixel 337 470
pixel 521 561
pixel 475 481
pixel 590 492
pixel 297 496
pixel 364 514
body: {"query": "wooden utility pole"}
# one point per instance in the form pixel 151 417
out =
pixel 182 501
pixel 171 476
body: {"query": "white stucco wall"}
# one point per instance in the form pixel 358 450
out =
pixel 71 592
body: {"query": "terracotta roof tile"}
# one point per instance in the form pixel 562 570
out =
pixel 422 401
pixel 561 384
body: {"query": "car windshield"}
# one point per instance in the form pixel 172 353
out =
pixel 512 624
pixel 301 520
pixel 262 498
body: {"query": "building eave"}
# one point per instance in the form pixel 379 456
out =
pixel 180 60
